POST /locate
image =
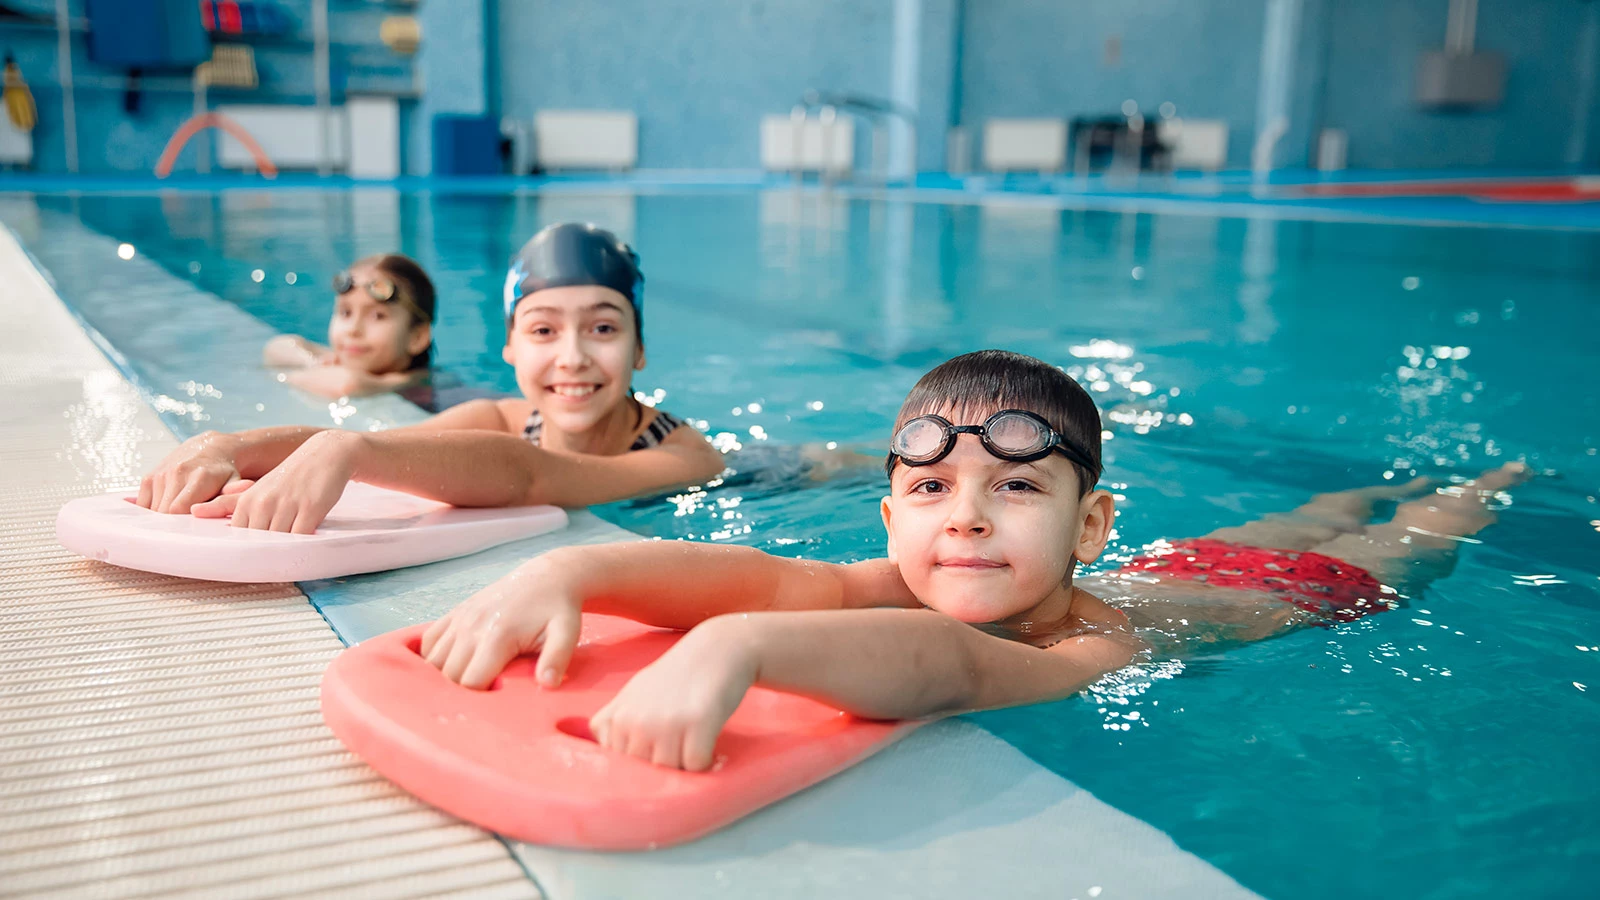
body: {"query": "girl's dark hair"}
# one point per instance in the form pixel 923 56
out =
pixel 414 282
pixel 980 384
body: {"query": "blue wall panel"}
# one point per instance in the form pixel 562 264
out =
pixel 454 67
pixel 1025 58
pixel 1373 47
pixel 699 75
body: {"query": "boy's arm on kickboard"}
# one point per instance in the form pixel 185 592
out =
pixel 908 664
pixel 680 584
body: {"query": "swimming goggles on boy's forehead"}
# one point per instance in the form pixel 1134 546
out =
pixel 380 289
pixel 1010 434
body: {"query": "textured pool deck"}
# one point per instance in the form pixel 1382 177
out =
pixel 158 736
pixel 161 736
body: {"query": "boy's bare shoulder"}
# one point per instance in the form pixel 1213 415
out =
pixel 1099 614
pixel 1101 630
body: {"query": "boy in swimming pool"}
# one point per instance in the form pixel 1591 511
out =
pixel 993 466
pixel 576 436
pixel 380 337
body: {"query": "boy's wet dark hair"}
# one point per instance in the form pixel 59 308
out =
pixel 975 385
pixel 409 276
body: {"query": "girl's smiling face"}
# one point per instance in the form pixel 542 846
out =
pixel 575 350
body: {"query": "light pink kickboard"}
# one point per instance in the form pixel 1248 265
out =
pixel 370 529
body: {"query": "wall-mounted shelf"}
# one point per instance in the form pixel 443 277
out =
pixel 375 5
pixel 292 39
pixel 169 85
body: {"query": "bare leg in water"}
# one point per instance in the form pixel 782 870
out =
pixel 1416 547
pixel 1322 519
pixel 1419 544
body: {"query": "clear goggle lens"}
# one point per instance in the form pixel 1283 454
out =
pixel 921 438
pixel 1017 435
pixel 379 289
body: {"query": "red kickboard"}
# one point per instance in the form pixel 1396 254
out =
pixel 518 759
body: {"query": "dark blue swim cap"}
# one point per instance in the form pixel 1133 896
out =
pixel 574 253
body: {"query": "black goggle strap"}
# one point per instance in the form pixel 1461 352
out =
pixel 1076 455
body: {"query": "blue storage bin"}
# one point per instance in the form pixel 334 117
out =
pixel 466 145
pixel 147 34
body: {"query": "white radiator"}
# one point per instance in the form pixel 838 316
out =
pixel 374 137
pixel 1025 145
pixel 807 144
pixel 289 135
pixel 586 139
pixel 1196 143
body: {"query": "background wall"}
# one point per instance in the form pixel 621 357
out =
pixel 700 74
pixel 454 65
pixel 1025 58
pixel 1373 47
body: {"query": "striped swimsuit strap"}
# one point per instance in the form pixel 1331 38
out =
pixel 662 425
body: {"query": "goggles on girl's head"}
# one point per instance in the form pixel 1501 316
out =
pixel 381 289
pixel 1010 434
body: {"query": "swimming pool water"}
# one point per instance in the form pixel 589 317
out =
pixel 1242 364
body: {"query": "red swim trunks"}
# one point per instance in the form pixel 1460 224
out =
pixel 1321 584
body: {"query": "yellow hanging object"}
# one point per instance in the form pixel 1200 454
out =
pixel 402 34
pixel 19 100
pixel 230 66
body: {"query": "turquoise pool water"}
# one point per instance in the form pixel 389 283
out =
pixel 1442 750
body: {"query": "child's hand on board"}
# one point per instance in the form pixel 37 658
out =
pixel 672 710
pixel 532 609
pixel 197 471
pixel 297 495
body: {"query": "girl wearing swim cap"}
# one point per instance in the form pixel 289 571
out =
pixel 380 337
pixel 575 437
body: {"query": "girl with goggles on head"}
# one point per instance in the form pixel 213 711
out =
pixel 380 337
pixel 575 435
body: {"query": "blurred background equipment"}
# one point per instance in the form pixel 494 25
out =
pixel 230 66
pixel 146 34
pixel 402 34
pixel 1458 76
pixel 466 145
pixel 877 92
pixel 20 111
pixel 16 138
